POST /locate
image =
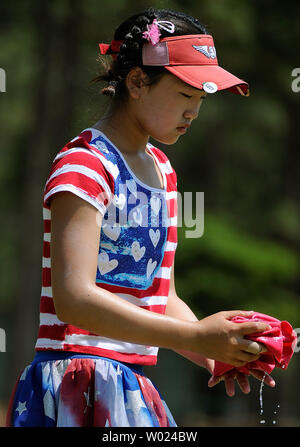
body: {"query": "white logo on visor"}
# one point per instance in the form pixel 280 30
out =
pixel 208 50
pixel 210 87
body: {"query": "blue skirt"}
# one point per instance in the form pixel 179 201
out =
pixel 65 389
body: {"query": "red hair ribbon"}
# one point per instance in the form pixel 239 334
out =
pixel 111 49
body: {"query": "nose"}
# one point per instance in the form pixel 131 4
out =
pixel 193 112
pixel 193 108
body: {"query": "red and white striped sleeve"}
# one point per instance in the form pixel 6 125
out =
pixel 81 171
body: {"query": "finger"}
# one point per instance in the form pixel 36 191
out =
pixel 243 382
pixel 244 356
pixel 214 380
pixel 231 374
pixel 234 313
pixel 229 386
pixel 263 348
pixel 237 362
pixel 255 348
pixel 261 375
pixel 251 327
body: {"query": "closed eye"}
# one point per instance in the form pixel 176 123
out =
pixel 185 95
pixel 190 96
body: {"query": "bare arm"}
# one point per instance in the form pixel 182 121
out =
pixel 79 301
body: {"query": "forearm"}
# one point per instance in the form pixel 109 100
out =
pixel 177 308
pixel 102 312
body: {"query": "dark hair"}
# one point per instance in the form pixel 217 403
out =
pixel 130 55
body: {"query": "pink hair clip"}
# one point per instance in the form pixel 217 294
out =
pixel 153 34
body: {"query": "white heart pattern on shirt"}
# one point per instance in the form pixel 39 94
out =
pixel 155 203
pixel 131 185
pixel 119 201
pixel 137 251
pixel 150 267
pixel 112 231
pixel 154 236
pixel 104 264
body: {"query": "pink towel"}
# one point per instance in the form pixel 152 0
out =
pixel 280 341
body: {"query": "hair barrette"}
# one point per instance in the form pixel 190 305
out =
pixel 153 34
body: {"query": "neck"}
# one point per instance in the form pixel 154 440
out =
pixel 122 127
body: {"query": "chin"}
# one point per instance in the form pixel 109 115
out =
pixel 171 139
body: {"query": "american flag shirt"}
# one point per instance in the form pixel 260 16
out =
pixel 138 240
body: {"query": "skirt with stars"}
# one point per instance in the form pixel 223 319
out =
pixel 64 389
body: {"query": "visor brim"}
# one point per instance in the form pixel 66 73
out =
pixel 197 75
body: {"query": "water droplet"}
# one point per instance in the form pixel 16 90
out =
pixel 274 422
pixel 262 421
pixel 260 396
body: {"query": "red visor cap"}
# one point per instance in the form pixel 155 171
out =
pixel 193 59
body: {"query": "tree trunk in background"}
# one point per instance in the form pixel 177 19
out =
pixel 56 40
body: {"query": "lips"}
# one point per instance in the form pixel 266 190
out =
pixel 183 128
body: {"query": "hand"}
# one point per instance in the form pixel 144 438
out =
pixel 242 380
pixel 223 340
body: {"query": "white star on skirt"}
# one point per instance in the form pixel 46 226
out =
pixel 21 407
pixel 49 405
pixel 134 401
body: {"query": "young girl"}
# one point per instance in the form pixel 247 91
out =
pixel 108 299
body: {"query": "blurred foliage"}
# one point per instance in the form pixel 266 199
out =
pixel 243 153
pixel 230 269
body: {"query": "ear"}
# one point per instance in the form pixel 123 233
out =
pixel 136 82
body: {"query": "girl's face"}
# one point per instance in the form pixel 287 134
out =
pixel 165 110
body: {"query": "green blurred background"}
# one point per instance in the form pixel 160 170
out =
pixel 243 153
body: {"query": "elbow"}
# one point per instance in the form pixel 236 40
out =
pixel 61 304
pixel 67 302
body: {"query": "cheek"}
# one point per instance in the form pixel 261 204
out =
pixel 162 116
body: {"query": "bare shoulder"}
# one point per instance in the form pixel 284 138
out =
pixel 67 207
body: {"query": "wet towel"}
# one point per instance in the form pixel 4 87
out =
pixel 280 341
